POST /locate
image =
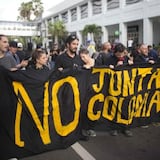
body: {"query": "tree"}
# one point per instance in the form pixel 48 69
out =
pixel 93 31
pixel 37 40
pixel 57 30
pixel 31 10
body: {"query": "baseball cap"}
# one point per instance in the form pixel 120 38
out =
pixel 20 45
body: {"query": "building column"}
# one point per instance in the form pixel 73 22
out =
pixel 60 17
pixel 147 31
pixel 69 16
pixel 123 33
pixel 89 8
pixel 78 13
pixel 104 6
pixel 105 34
pixel 122 3
pixel 79 35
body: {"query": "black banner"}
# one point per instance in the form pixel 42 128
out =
pixel 40 113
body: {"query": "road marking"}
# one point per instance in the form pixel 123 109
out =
pixel 82 152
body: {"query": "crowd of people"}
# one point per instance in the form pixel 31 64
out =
pixel 12 57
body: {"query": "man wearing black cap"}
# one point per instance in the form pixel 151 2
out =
pixel 69 59
pixel 12 54
pixel 13 50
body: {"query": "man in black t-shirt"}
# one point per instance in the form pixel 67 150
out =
pixel 69 59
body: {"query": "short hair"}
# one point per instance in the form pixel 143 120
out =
pixel 71 38
pixel 83 51
pixel 13 44
pixel 119 47
pixel 2 35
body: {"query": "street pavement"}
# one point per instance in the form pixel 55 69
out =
pixel 144 145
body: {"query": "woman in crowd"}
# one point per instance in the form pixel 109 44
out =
pixel 37 70
pixel 39 60
pixel 88 61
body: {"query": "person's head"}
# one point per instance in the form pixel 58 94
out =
pixel 84 54
pixel 20 46
pixel 150 47
pixel 106 47
pixel 13 47
pixel 39 58
pixel 55 46
pixel 119 50
pixel 3 43
pixel 72 43
pixel 39 47
pixel 55 49
pixel 143 49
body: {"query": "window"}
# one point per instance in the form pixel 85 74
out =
pixel 84 11
pixel 132 33
pixel 97 6
pixel 56 18
pixel 49 20
pixel 74 14
pixel 111 4
pixel 132 1
pixel 65 17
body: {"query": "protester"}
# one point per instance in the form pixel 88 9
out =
pixel 106 51
pixel 12 54
pixel 39 60
pixel 91 48
pixel 152 53
pixel 20 52
pixel 70 60
pixel 5 61
pixel 143 56
pixel 88 61
pixel 53 54
pixel 119 58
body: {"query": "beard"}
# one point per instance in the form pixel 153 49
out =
pixel 73 51
pixel 109 50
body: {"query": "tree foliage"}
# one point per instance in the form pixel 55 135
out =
pixel 31 10
pixel 57 30
pixel 37 39
pixel 92 29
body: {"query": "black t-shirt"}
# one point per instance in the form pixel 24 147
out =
pixel 66 62
pixel 102 58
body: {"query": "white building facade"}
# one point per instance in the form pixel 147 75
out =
pixel 120 20
pixel 14 28
pixel 27 30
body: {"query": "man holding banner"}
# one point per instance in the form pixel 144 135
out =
pixel 70 60
pixel 119 59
